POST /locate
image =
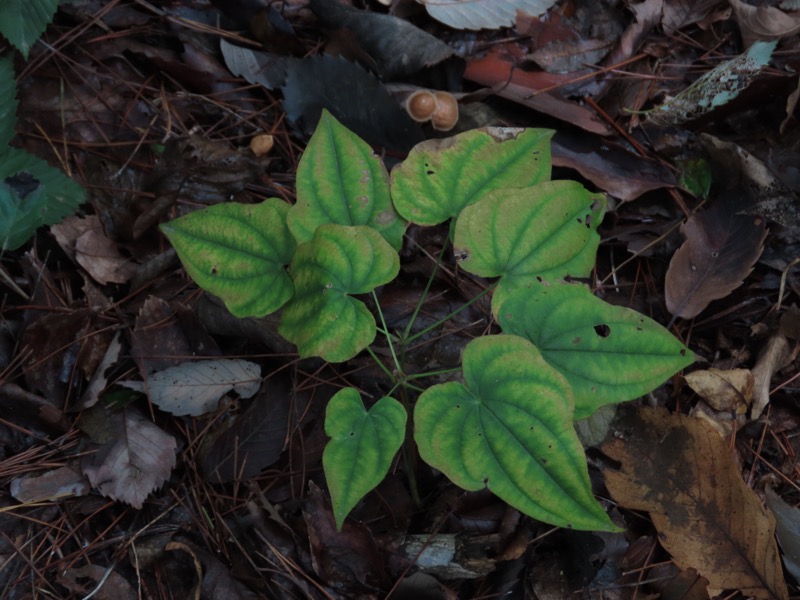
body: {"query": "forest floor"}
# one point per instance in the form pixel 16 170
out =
pixel 158 109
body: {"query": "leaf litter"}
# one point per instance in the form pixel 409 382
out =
pixel 155 122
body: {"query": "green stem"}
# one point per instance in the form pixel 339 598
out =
pixel 424 295
pixel 379 362
pixel 397 364
pixel 433 373
pixel 451 315
pixel 409 455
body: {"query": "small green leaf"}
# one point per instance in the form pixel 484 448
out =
pixel 607 353
pixel 510 429
pixel 362 446
pixel 55 197
pixel 322 319
pixel 8 101
pixel 23 21
pixel 539 233
pixel 440 177
pixel 341 180
pixel 238 252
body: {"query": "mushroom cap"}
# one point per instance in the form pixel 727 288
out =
pixel 445 117
pixel 420 105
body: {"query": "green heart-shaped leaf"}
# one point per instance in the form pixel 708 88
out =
pixel 362 446
pixel 510 429
pixel 341 180
pixel 440 177
pixel 540 233
pixel 322 319
pixel 607 353
pixel 238 252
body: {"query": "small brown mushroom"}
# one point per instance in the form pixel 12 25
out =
pixel 261 144
pixel 420 105
pixel 445 117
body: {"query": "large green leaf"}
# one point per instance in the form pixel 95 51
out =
pixel 23 209
pixel 539 233
pixel 238 252
pixel 341 180
pixel 8 101
pixel 607 353
pixel 23 21
pixel 362 446
pixel 440 177
pixel 510 429
pixel 322 319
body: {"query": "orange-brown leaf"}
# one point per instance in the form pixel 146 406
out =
pixel 680 470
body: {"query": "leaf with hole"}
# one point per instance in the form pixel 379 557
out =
pixel 32 194
pixel 238 252
pixel 440 177
pixel 362 446
pixel 607 353
pixel 341 180
pixel 539 233
pixel 323 319
pixel 509 427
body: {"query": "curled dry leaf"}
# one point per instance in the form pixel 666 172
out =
pixel 775 355
pixel 720 250
pixel 680 470
pixel 764 22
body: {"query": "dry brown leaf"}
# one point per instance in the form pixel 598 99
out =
pixel 52 485
pixel 86 243
pixel 720 250
pixel 774 356
pixel 679 470
pixel 129 456
pixel 764 22
pixel 723 390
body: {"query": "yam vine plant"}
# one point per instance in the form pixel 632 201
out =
pixel 506 420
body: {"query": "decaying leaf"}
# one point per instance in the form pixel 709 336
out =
pixel 723 390
pixel 194 388
pixel 52 485
pixel 252 440
pixel 397 47
pixel 773 356
pixel 680 470
pixel 720 250
pixel 787 520
pixel 764 22
pixel 128 457
pixel 483 14
pixel 716 88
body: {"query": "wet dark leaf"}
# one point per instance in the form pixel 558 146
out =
pixel 397 47
pixel 720 250
pixel 357 100
pixel 253 440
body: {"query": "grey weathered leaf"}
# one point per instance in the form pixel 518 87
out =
pixel 195 388
pixel 483 14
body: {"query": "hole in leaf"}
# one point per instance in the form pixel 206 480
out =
pixel 602 330
pixel 214 270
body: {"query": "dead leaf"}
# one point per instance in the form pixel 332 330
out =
pixel 99 380
pixel 52 485
pixel 396 47
pixel 764 22
pixel 86 581
pixel 773 357
pixel 680 13
pixel 128 457
pixel 87 244
pixel 679 470
pixel 347 560
pixel 483 14
pixel 253 440
pixel 356 98
pixel 720 250
pixel 195 388
pixel 723 390
pixel 609 166
pixel 787 520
